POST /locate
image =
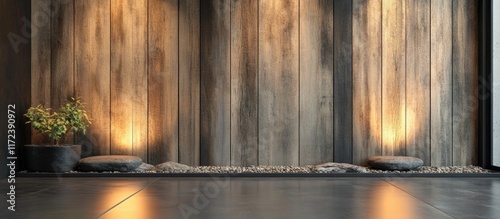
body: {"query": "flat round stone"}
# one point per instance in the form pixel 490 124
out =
pixel 121 163
pixel 394 162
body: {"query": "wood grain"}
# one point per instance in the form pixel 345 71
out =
pixel 244 82
pixel 367 77
pixel 189 82
pixel 92 72
pixel 465 73
pixel 62 57
pixel 441 83
pixel 260 92
pixel 40 61
pixel 316 82
pixel 129 81
pixel 393 77
pixel 342 92
pixel 278 82
pixel 215 68
pixel 163 87
pixel 418 79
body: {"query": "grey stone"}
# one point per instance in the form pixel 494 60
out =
pixel 121 163
pixel 340 168
pixel 394 162
pixel 145 167
pixel 172 167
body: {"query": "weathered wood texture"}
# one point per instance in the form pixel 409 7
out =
pixel 40 60
pixel 189 82
pixel 244 82
pixel 129 78
pixel 465 78
pixel 441 83
pixel 248 82
pixel 163 87
pixel 343 100
pixel 418 80
pixel 215 88
pixel 92 72
pixel 367 79
pixel 316 82
pixel 279 82
pixel 62 56
pixel 393 77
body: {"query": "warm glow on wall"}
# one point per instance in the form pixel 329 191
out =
pixel 123 137
pixel 394 131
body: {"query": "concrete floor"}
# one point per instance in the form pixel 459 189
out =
pixel 154 197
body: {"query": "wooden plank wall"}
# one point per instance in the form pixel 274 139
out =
pixel 256 82
pixel 342 81
pixel 92 72
pixel 279 82
pixel 367 79
pixel 189 82
pixel 244 82
pixel 129 77
pixel 215 113
pixel 418 79
pixel 441 83
pixel 163 82
pixel 464 79
pixel 316 85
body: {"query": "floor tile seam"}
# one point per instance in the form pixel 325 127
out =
pixel 411 195
pixel 128 197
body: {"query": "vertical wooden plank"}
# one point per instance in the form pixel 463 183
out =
pixel 163 84
pixel 40 60
pixel 278 82
pixel 441 83
pixel 343 81
pixel 418 80
pixel 465 73
pixel 189 82
pixel 367 77
pixel 244 82
pixel 316 82
pixel 393 77
pixel 92 72
pixel 62 56
pixel 129 77
pixel 215 83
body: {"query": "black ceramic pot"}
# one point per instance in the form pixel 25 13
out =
pixel 52 158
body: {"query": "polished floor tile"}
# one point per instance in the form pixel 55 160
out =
pixel 71 197
pixel 238 197
pixel 274 198
pixel 458 197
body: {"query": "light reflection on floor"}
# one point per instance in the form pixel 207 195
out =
pixel 253 197
pixel 389 202
pixel 133 208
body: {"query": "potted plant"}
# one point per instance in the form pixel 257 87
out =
pixel 56 157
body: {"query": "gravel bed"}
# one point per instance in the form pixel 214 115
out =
pixel 446 169
pixel 302 169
